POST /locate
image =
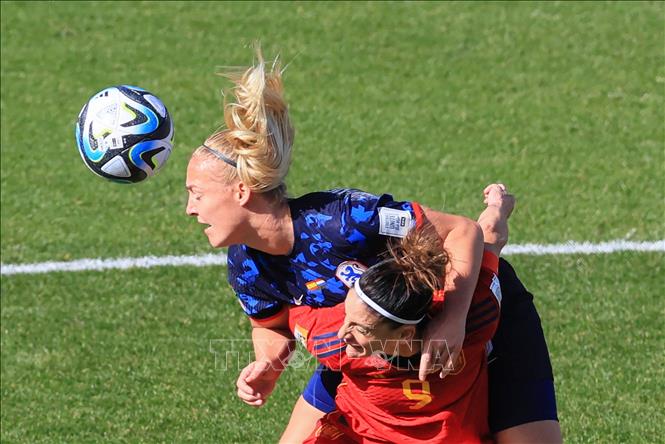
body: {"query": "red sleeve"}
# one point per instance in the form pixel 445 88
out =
pixel 419 213
pixel 484 311
pixel 490 261
pixel 316 329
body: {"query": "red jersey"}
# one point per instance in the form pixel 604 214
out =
pixel 381 399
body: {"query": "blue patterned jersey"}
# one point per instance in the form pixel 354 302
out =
pixel 338 234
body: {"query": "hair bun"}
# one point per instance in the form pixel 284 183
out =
pixel 421 258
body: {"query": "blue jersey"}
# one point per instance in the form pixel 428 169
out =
pixel 337 235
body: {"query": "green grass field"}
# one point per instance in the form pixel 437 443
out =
pixel 564 102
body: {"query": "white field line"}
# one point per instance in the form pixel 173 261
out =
pixel 120 263
pixel 585 247
pixel 220 258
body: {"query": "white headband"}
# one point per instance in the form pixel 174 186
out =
pixel 361 294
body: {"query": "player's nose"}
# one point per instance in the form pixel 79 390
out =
pixel 343 331
pixel 190 209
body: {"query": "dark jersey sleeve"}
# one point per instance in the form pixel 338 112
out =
pixel 257 306
pixel 258 298
pixel 366 217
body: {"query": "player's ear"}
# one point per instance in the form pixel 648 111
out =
pixel 407 333
pixel 242 193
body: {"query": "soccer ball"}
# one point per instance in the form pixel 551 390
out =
pixel 124 134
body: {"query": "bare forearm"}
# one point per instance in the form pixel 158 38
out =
pixel 463 240
pixel 272 345
pixel 495 229
pixel 465 247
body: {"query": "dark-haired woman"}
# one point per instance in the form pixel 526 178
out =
pixel 378 342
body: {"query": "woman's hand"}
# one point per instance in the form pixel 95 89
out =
pixel 273 345
pixel 497 195
pixel 442 345
pixel 256 382
pixel 494 220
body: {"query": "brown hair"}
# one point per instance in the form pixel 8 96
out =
pixel 405 282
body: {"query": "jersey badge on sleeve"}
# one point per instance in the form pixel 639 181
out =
pixel 395 223
pixel 300 334
pixel 495 286
pixel 349 272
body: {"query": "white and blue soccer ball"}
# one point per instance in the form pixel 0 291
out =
pixel 125 134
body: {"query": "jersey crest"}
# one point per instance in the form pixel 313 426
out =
pixel 349 272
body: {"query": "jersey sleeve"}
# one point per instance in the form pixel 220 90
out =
pixel 257 307
pixel 316 329
pixel 366 217
pixel 251 288
pixel 483 317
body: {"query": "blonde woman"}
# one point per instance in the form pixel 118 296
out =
pixel 309 250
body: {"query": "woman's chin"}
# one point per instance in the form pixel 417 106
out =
pixel 355 351
pixel 214 239
pixel 214 243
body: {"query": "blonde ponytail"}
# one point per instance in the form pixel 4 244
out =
pixel 259 134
